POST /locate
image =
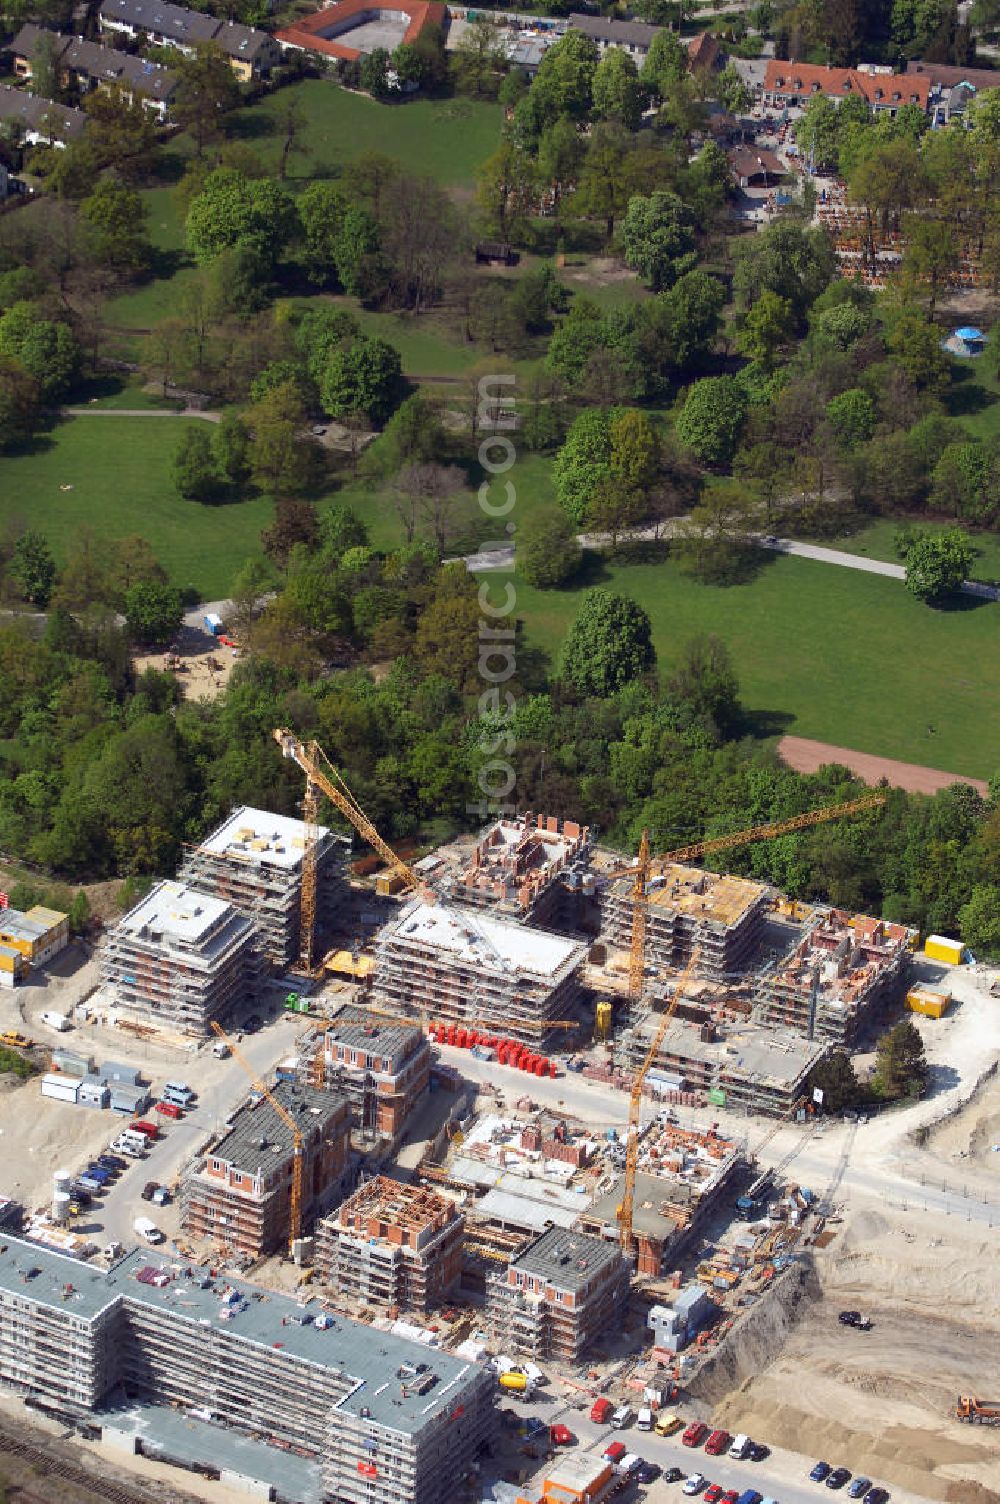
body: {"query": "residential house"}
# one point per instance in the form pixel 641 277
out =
pixel 251 53
pixel 42 122
pixel 87 65
pixel 792 85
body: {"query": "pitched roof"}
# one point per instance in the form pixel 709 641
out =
pixel 840 83
pixel 949 75
pixel 34 113
pixel 615 33
pixel 318 32
pixel 748 161
pixel 160 16
pixel 105 64
pixel 703 50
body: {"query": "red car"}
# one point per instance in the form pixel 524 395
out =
pixel 718 1443
pixel 149 1129
pixel 168 1109
pixel 614 1452
pixel 695 1434
pixel 713 1493
pixel 602 1412
pixel 730 1496
pixel 561 1436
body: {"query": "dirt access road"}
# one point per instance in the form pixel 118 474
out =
pixel 807 756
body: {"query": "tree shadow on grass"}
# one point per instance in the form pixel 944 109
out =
pixel 243 126
pixel 953 604
pixel 168 168
pixel 966 396
pixel 761 725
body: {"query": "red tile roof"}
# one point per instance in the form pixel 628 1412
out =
pixel 309 31
pixel 806 79
pixel 703 50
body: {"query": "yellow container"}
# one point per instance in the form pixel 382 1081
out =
pixel 515 1381
pixel 931 1004
pixel 388 883
pixel 941 948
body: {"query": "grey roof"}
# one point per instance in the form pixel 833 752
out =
pixel 237 40
pixel 652 1194
pixel 258 1138
pixel 37 114
pixel 568 1260
pixel 390 1041
pixel 109 66
pixel 617 33
pixel 165 20
pixel 370 1361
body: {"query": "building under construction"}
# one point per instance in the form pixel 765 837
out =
pixel 392 1245
pixel 840 976
pixel 520 868
pixel 383 1069
pixel 740 1066
pixel 179 959
pixel 559 1296
pixel 451 965
pixel 237 1195
pixel 371 1419
pixel 254 862
pixel 722 915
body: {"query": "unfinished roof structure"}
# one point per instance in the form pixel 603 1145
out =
pixel 238 1194
pixel 392 1245
pixel 384 1069
pixel 454 966
pixel 558 1296
pixel 840 975
pixel 517 867
pixel 737 1066
pixel 685 907
pixel 179 959
pixel 388 1421
pixel 253 860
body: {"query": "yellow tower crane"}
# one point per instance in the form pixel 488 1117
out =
pixel 645 867
pixel 635 1109
pixel 295 1206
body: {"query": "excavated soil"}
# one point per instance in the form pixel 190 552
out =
pixel 880 1402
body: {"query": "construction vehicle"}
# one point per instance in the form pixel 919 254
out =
pixel 296 1003
pixel 295 1208
pixel 978 1412
pixel 16 1041
pixel 635 1106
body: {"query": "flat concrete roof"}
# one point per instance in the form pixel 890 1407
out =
pixel 488 942
pixel 175 912
pixel 259 1138
pixel 747 1051
pixel 260 838
pixel 390 1041
pixel 531 1212
pixel 173 1436
pixel 370 1361
pixel 651 1195
pixel 568 1260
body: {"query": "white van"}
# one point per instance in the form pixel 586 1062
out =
pixel 644 1419
pixel 147 1229
pixel 177 1092
pixel 622 1417
pixel 136 1145
pixel 739 1447
pixel 57 1021
pixel 627 1465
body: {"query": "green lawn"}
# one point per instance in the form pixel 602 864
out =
pixel 445 139
pixel 875 542
pixel 975 397
pixel 845 657
pixel 119 469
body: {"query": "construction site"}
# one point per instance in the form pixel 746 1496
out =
pixel 392 1247
pixel 237 1197
pixel 253 861
pixel 409 1170
pixel 178 960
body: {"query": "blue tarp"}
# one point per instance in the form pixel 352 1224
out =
pixel 968 333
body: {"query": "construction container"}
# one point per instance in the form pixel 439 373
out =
pixel 941 948
pixel 61 1088
pixel 70 1063
pixel 60 1207
pixel 931 1004
pixel 388 883
pixel 93 1094
pixel 113 1071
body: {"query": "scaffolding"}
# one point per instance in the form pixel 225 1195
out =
pixel 180 959
pixel 392 1245
pixel 519 866
pixel 443 963
pixel 558 1296
pixel 686 909
pixel 255 861
pixel 838 977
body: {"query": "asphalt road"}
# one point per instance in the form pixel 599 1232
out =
pixel 221 1086
pixel 782 1476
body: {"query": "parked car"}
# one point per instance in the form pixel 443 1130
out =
pixel 94 1172
pixel 667 1423
pixel 694 1484
pixel 730 1496
pixel 695 1434
pixel 740 1446
pixel 713 1493
pixel 749 1496
pixel 113 1161
pixel 86 1183
pixel 623 1417
pixel 855 1319
pixel 601 1412
pixel 561 1436
pixel 877 1496
pixel 647 1472
pixel 147 1129
pixel 758 1451
pixel 80 1193
pixel 168 1109
pixel 838 1477
pixel 673 1475
pixel 149 1189
pixel 859 1487
pixel 614 1452
pixel 718 1443
pixel 820 1471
